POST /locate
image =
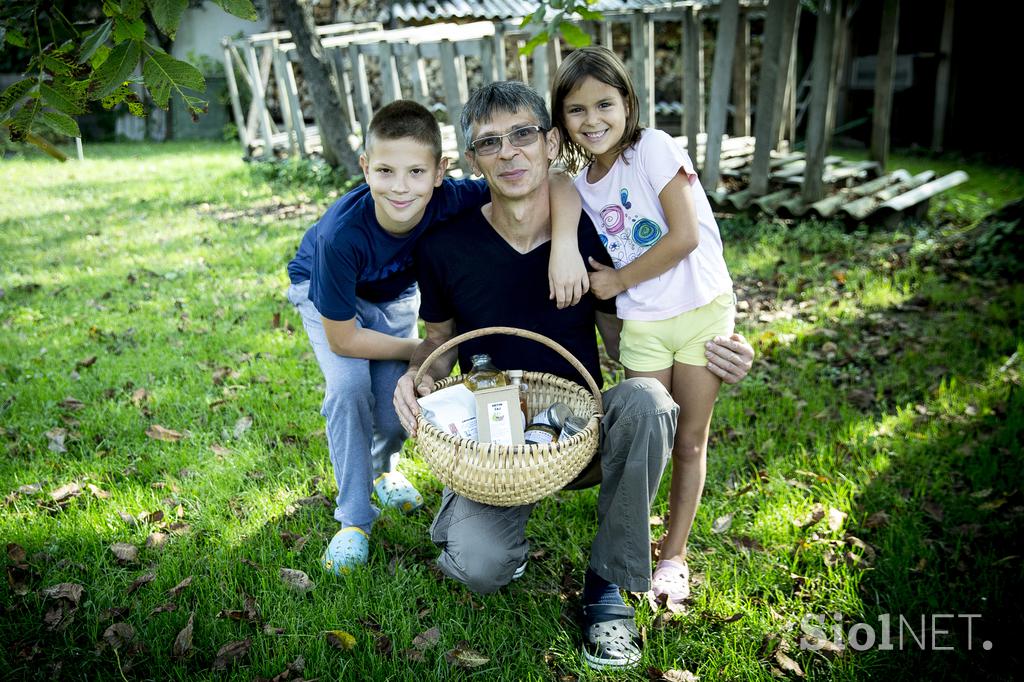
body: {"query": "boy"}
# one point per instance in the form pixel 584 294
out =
pixel 353 283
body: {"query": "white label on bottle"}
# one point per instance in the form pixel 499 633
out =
pixel 500 425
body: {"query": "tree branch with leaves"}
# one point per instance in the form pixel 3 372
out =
pixel 562 13
pixel 95 55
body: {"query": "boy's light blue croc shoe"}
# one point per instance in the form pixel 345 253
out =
pixel 394 490
pixel 350 547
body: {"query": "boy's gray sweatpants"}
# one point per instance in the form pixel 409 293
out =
pixel 482 545
pixel 363 431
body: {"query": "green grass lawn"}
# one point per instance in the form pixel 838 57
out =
pixel 868 471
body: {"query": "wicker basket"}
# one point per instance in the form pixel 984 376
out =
pixel 511 475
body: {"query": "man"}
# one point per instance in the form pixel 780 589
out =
pixel 487 267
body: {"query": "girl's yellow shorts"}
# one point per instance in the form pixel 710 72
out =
pixel 649 346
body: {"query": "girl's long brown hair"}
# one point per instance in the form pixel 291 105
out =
pixel 604 65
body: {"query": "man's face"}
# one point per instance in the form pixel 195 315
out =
pixel 514 172
pixel 402 174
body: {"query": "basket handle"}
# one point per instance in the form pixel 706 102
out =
pixel 513 331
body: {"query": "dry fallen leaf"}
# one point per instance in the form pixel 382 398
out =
pixel 98 493
pixel 139 396
pixel 817 513
pixel 156 540
pixel 164 608
pixel 297 580
pixel 183 642
pixel 15 552
pixel 722 523
pixel 788 664
pixel 464 657
pixel 230 652
pixel 675 675
pixel 340 639
pixel 836 519
pixel 242 425
pixel 71 403
pixel 118 634
pixel 427 638
pixel 66 492
pixel 56 437
pixel 143 579
pixel 877 520
pixel 70 591
pixel 87 362
pixel 124 551
pixel 157 432
pixel 177 589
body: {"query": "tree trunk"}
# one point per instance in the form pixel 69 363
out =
pixel 334 130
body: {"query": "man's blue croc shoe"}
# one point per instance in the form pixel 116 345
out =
pixel 349 547
pixel 394 490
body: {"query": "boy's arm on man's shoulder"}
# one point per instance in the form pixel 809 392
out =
pixel 348 339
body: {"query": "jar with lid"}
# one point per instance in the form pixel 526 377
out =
pixel 484 374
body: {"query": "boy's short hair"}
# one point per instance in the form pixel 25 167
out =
pixel 502 97
pixel 405 118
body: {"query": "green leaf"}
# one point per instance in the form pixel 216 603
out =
pixel 60 123
pixel 162 72
pixel 16 38
pixel 124 29
pixel 102 52
pixel 14 93
pixel 94 40
pixel 240 8
pixel 574 35
pixel 58 64
pixel 115 70
pixel 536 18
pixel 62 100
pixel 535 41
pixel 132 8
pixel 167 14
pixel 23 122
pixel 589 14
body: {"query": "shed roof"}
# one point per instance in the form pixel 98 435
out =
pixel 428 10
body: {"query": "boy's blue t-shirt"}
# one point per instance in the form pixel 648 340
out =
pixel 347 254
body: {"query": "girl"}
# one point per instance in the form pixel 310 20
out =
pixel 673 291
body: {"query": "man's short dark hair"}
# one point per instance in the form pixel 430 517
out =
pixel 405 118
pixel 503 97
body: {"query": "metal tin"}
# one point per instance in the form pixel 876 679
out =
pixel 572 426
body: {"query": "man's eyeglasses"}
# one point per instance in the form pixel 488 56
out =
pixel 520 137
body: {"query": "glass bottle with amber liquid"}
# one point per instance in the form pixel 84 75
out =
pixel 484 374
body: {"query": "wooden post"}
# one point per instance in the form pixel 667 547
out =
pixel 638 65
pixel 942 78
pixel 725 44
pixel 295 107
pixel 787 74
pixel 769 77
pixel 741 80
pixel 693 107
pixel 841 45
pixel 236 100
pixel 364 109
pixel 821 86
pixel 607 35
pixel 452 97
pixel 284 99
pixel 540 79
pixel 499 52
pixel 388 73
pixel 259 102
pixel 884 82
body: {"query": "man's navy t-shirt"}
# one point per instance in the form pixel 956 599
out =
pixel 468 273
pixel 347 254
